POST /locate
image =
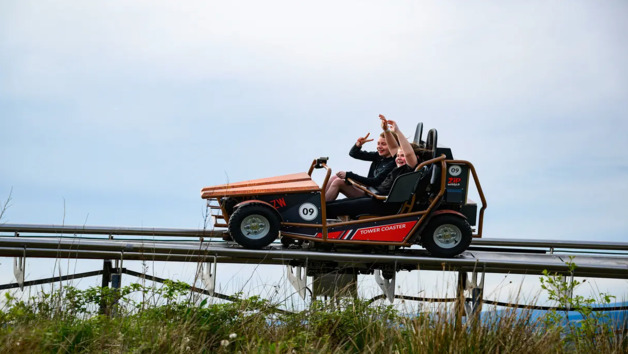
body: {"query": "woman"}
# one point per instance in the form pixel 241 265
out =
pixel 382 162
pixel 406 160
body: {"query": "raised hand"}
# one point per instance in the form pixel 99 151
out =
pixel 361 141
pixel 384 122
pixel 393 126
pixel 388 124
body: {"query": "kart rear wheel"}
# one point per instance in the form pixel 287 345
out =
pixel 447 235
pixel 254 225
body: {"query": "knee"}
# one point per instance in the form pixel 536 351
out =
pixel 331 181
pixel 338 183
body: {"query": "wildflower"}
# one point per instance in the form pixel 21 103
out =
pixel 224 342
pixel 233 336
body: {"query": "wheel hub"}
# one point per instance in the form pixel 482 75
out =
pixel 255 226
pixel 447 236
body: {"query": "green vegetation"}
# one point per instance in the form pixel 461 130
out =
pixel 171 318
pixel 588 333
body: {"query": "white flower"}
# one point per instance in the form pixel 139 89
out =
pixel 233 336
pixel 224 342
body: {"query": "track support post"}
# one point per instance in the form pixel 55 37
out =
pixel 470 305
pixel 106 278
pixel 477 293
pixel 460 297
pixel 19 268
pixel 207 273
pixel 298 278
pixel 387 285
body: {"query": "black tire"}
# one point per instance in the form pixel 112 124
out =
pixel 229 204
pixel 447 236
pixel 254 225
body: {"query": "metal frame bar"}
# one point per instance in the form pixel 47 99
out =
pixel 108 230
pixel 491 302
pixel 52 280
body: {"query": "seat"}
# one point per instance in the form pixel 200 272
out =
pixel 407 185
pixel 402 195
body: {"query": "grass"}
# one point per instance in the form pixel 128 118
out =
pixel 171 319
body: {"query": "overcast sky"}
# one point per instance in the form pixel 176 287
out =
pixel 118 112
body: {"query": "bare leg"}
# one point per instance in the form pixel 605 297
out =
pixel 352 192
pixel 339 186
pixel 333 188
pixel 331 180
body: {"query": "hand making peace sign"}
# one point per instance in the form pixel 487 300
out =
pixel 363 140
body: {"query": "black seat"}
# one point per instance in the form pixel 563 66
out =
pixel 409 184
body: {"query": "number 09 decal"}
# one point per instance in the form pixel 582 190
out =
pixel 308 211
pixel 455 170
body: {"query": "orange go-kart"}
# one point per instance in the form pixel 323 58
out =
pixel 434 210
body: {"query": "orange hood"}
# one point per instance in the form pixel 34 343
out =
pixel 293 183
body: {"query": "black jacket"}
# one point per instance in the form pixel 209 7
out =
pixel 380 166
pixel 386 185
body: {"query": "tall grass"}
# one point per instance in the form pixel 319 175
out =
pixel 173 319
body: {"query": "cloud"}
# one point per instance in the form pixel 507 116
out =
pixel 254 89
pixel 118 112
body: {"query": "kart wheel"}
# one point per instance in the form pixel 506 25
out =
pixel 447 236
pixel 254 225
pixel 229 204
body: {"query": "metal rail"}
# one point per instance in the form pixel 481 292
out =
pixel 497 303
pixel 174 232
pixel 108 230
pixel 491 262
pixel 485 256
pixel 551 244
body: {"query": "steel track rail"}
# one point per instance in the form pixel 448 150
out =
pixel 551 244
pixel 173 232
pixel 108 230
pixel 491 262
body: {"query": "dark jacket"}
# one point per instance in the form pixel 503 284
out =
pixel 386 185
pixel 380 166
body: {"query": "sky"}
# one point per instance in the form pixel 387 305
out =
pixel 118 112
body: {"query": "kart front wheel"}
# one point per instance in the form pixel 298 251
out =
pixel 254 225
pixel 447 235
